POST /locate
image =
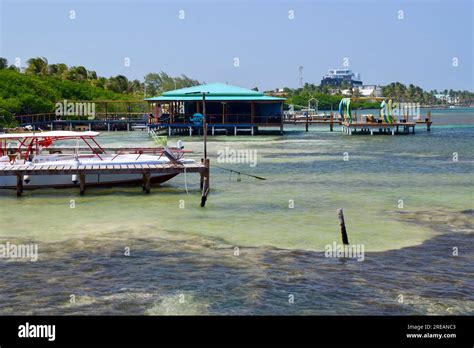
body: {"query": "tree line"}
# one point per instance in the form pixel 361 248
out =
pixel 38 86
pixel 329 96
pixel 153 84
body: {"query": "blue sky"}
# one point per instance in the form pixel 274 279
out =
pixel 419 49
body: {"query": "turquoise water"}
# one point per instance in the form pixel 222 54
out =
pixel 404 198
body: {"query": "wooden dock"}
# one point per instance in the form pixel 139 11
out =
pixel 378 128
pixel 403 126
pixel 20 170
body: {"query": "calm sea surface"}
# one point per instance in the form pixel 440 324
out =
pixel 248 252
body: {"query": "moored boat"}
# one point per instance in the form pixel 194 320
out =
pixel 25 149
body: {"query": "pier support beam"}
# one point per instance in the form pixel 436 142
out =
pixel 331 122
pixel 146 180
pixel 108 126
pixel 82 184
pixel 205 182
pixel 19 185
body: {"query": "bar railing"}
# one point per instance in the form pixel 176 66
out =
pixel 185 119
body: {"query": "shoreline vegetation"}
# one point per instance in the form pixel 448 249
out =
pixel 38 87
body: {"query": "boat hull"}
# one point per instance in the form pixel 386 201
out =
pixel 65 181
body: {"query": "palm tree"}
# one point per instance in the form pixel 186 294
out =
pixel 37 66
pixel 57 70
pixel 3 63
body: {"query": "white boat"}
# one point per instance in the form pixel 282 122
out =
pixel 25 148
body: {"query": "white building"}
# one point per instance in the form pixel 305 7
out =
pixel 447 98
pixel 365 91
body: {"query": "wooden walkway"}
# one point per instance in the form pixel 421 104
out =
pixel 20 170
pixel 378 128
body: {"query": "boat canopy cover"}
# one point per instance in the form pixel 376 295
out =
pixel 52 134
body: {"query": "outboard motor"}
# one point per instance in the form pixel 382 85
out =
pixel 179 145
pixel 74 179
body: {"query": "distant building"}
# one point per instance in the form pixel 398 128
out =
pixel 365 91
pixel 336 77
pixel 278 92
pixel 447 98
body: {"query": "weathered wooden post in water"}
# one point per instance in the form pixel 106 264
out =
pixel 82 183
pixel 428 121
pixel 342 224
pixel 307 121
pixel 331 115
pixel 19 185
pixel 146 180
pixel 205 182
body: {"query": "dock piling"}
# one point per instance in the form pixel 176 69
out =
pixel 19 185
pixel 205 183
pixel 342 225
pixel 331 122
pixel 82 184
pixel 146 180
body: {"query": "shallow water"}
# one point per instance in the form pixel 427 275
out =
pixel 404 199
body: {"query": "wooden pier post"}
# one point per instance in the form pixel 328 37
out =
pixel 19 185
pixel 307 121
pixel 201 181
pixel 82 183
pixel 342 225
pixel 331 122
pixel 428 121
pixel 146 180
pixel 205 183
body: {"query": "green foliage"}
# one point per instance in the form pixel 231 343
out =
pixel 3 63
pixel 42 85
pixel 412 93
pixel 28 94
pixel 157 83
pixel 299 97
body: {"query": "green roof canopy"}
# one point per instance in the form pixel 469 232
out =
pixel 215 92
